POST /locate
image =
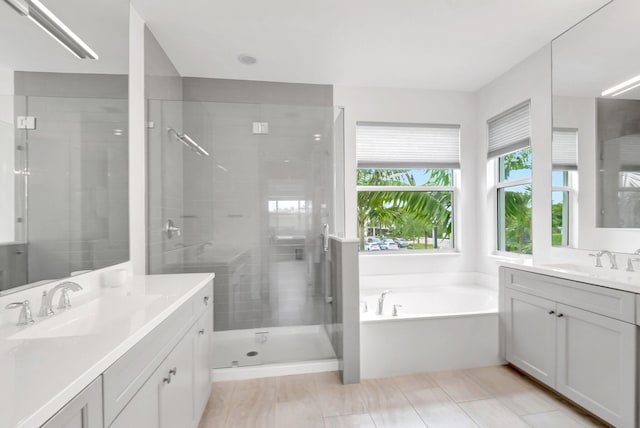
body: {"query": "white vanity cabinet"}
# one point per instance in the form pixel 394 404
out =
pixel 555 330
pixel 84 411
pixel 175 383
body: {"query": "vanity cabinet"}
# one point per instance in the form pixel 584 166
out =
pixel 531 335
pixel 588 357
pixel 84 411
pixel 175 392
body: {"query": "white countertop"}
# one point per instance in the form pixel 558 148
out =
pixel 617 279
pixel 39 376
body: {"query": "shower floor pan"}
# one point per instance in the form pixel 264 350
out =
pixel 276 348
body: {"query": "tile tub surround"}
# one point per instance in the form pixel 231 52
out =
pixel 41 375
pixel 485 397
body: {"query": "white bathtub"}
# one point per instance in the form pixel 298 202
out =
pixel 438 327
pixel 430 301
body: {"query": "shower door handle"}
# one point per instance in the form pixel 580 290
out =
pixel 325 237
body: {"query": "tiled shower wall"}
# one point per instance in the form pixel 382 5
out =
pixel 77 216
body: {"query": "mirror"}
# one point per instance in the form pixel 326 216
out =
pixel 63 138
pixel 596 131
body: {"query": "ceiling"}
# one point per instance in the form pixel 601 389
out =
pixel 434 44
pixel 102 24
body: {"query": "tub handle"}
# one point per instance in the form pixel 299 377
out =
pixel 395 310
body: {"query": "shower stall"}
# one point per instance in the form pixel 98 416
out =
pixel 248 191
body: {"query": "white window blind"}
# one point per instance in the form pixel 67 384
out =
pixel 509 131
pixel 564 149
pixel 407 145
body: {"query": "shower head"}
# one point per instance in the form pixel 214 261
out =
pixel 189 142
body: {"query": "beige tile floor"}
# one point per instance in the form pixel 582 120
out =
pixel 484 397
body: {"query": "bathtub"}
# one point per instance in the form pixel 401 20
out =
pixel 438 327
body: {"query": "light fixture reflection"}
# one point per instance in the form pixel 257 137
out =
pixel 623 87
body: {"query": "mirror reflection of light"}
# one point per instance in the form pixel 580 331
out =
pixel 623 87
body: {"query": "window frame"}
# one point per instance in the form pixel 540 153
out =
pixel 501 184
pixel 571 216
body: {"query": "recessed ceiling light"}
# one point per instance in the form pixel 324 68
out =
pixel 247 59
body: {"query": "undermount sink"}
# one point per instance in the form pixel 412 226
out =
pixel 90 318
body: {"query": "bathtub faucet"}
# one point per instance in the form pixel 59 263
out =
pixel 381 302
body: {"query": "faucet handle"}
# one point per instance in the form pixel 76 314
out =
pixel 364 307
pixel 25 317
pixel 598 259
pixel 630 261
pixel 395 310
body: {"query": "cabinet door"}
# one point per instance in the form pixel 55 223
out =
pixel 175 386
pixel 530 327
pixel 84 411
pixel 201 365
pixel 143 409
pixel 597 364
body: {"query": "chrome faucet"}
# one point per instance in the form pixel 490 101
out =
pixel 63 303
pixel 612 258
pixel 25 316
pixel 381 302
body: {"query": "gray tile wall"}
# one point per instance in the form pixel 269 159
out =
pixel 256 92
pixel 78 182
pixel 343 326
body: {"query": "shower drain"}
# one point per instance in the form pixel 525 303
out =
pixel 252 353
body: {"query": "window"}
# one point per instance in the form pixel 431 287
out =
pixel 509 145
pixel 406 188
pixel 564 160
pixel 287 217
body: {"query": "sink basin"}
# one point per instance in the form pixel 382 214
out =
pixel 90 318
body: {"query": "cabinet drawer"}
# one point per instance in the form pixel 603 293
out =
pixel 127 375
pixel 203 300
pixel 605 301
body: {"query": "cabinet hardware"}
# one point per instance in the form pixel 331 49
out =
pixel 173 371
pixel 167 380
pixel 201 332
pixel 206 300
pixel 552 312
pixel 560 315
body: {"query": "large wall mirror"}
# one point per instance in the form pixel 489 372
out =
pixel 63 138
pixel 596 131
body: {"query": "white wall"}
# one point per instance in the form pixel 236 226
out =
pixel 415 106
pixel 7 158
pixel 137 154
pixel 529 80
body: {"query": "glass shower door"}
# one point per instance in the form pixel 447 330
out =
pixel 252 211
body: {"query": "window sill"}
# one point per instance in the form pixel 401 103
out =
pixel 409 254
pixel 500 256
